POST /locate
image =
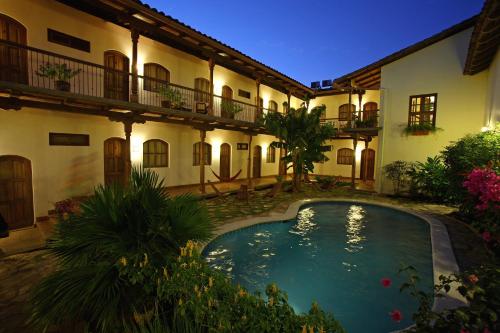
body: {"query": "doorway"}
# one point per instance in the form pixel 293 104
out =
pixel 370 166
pixel 114 161
pixel 257 161
pixel 225 162
pixel 116 75
pixel 13 59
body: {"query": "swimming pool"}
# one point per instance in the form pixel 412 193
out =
pixel 334 253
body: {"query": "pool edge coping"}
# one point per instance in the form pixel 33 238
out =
pixel 443 257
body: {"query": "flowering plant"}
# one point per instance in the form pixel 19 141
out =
pixel 484 185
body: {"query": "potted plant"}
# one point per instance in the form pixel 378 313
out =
pixel 172 97
pixel 61 73
pixel 368 123
pixel 420 129
pixel 229 109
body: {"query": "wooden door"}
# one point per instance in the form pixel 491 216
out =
pixel 16 191
pixel 344 111
pixel 116 76
pixel 114 161
pixel 225 162
pixel 370 111
pixel 257 161
pixel 13 60
pixel 369 168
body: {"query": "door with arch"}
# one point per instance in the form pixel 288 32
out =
pixel 370 112
pixel 116 76
pixel 344 111
pixel 367 164
pixel 13 60
pixel 225 162
pixel 114 161
pixel 257 161
pixel 16 191
pixel 226 102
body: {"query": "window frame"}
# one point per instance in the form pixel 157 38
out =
pixel 270 154
pixel 412 121
pixel 345 160
pixel 156 154
pixel 207 153
pixel 153 82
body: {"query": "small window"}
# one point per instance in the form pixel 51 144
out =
pixel 202 90
pixel 422 110
pixel 244 93
pixel 61 38
pixel 65 139
pixel 345 156
pixel 155 76
pixel 273 106
pixel 155 154
pixel 207 153
pixel 271 155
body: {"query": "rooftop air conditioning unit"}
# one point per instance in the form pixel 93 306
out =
pixel 326 83
pixel 315 85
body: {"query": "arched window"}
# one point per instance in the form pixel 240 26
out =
pixel 155 154
pixel 207 153
pixel 202 90
pixel 273 106
pixel 344 111
pixel 271 155
pixel 227 92
pixel 155 76
pixel 345 156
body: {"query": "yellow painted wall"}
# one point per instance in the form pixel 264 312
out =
pixel 333 102
pixel 492 114
pixel 460 102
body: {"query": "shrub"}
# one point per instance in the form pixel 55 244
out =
pixel 429 179
pixel 326 182
pixel 472 151
pixel 139 221
pixel 481 289
pixel 398 173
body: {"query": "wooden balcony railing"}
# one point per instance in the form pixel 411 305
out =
pixel 359 120
pixel 48 70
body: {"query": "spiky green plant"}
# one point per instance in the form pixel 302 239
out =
pixel 138 221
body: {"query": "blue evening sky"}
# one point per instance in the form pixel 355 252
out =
pixel 319 39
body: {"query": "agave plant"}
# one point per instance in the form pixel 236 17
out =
pixel 137 221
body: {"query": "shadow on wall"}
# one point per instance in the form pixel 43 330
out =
pixel 81 176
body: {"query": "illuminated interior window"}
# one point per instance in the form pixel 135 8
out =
pixel 422 110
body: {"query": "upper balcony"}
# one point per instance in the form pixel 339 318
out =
pixel 36 75
pixel 364 123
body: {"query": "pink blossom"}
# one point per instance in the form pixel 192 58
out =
pixel 486 236
pixel 486 330
pixel 463 330
pixel 484 184
pixel 396 315
pixel 386 282
pixel 473 278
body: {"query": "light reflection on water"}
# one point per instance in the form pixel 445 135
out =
pixel 355 223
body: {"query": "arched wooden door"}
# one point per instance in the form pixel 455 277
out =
pixel 225 162
pixel 257 161
pixel 367 171
pixel 13 60
pixel 344 113
pixel 114 161
pixel 16 191
pixel 116 76
pixel 370 111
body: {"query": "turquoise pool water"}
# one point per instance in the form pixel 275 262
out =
pixel 335 254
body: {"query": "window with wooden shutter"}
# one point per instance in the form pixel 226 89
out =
pixel 272 106
pixel 155 76
pixel 202 90
pixel 271 155
pixel 345 156
pixel 422 110
pixel 155 154
pixel 207 153
pixel 344 112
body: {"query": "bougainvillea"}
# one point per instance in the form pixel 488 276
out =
pixel 484 185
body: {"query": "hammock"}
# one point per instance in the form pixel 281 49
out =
pixel 226 180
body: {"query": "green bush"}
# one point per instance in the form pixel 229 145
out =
pixel 429 180
pixel 474 150
pixel 139 221
pixel 481 289
pixel 326 182
pixel 399 173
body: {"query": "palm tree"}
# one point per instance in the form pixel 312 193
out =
pixel 139 222
pixel 301 133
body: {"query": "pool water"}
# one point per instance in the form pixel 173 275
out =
pixel 335 254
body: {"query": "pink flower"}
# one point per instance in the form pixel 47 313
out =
pixel 486 236
pixel 386 282
pixel 484 185
pixel 473 278
pixel 396 315
pixel 486 330
pixel 463 330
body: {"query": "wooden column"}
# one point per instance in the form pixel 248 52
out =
pixel 203 135
pixel 289 96
pixel 249 162
pixel 349 116
pixel 257 83
pixel 134 94
pixel 365 166
pixel 360 100
pixel 127 126
pixel 211 66
pixel 353 169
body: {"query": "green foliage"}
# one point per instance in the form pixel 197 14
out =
pixel 59 72
pixel 368 123
pixel 326 182
pixel 474 150
pixel 171 95
pixel 429 179
pixel 190 297
pixel 301 134
pixel 399 173
pixel 140 223
pixel 423 127
pixel 481 289
pixel 229 108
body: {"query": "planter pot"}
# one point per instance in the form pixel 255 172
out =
pixel 63 85
pixel 166 104
pixel 420 132
pixel 226 114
